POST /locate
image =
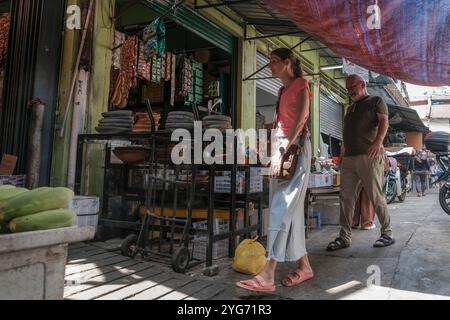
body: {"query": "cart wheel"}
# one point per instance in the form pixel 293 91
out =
pixel 180 261
pixel 129 246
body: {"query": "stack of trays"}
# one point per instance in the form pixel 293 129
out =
pixel 217 122
pixel 116 122
pixel 180 120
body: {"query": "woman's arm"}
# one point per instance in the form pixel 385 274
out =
pixel 303 103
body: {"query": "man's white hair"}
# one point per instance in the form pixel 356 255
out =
pixel 356 77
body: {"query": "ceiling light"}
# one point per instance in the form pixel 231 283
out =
pixel 332 67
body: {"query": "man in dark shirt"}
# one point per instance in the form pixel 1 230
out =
pixel 365 127
pixel 421 171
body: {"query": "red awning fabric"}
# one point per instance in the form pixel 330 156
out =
pixel 411 44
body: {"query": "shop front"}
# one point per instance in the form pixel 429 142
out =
pixel 156 68
pixel 168 69
pixel 30 50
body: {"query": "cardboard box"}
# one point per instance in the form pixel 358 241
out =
pixel 8 165
pixel 337 180
pixel 320 180
pixel 415 140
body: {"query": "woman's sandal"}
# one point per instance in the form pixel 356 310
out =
pixel 257 284
pixel 296 277
pixel 337 244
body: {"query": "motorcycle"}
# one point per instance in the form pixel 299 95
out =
pixel 444 176
pixel 390 186
pixel 397 180
pixel 439 142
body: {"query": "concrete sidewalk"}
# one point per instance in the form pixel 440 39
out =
pixel 416 267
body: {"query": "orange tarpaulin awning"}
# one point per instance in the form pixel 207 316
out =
pixel 405 39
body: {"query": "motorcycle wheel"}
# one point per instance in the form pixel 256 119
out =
pixel 444 199
pixel 402 197
pixel 391 191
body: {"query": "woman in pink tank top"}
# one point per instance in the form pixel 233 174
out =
pixel 286 240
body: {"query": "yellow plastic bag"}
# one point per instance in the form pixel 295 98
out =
pixel 250 257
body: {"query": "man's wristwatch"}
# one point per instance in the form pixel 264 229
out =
pixel 282 150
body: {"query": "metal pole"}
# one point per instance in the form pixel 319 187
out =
pixel 75 75
pixel 273 35
pixel 262 68
pixel 221 4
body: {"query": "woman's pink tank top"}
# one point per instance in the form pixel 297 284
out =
pixel 287 112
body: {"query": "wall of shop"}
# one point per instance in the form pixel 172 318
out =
pixel 246 90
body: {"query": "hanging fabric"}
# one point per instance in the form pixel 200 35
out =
pixel 4 32
pixel 119 39
pixel 168 69
pixel 128 72
pixel 144 67
pixel 155 39
pixel 197 82
pixel 186 77
pixel 156 69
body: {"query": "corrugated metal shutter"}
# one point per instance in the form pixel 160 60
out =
pixel 271 86
pixel 192 21
pixel 331 117
pixel 32 70
pixel 26 18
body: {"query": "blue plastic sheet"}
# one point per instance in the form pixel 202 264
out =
pixel 404 39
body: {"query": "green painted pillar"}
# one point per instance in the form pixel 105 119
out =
pixel 61 144
pixel 247 89
pixel 99 94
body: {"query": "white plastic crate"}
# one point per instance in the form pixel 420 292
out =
pixel 220 226
pixel 220 249
pixel 88 221
pixel 87 209
pixel 222 184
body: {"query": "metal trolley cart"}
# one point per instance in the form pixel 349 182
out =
pixel 172 193
pixel 166 229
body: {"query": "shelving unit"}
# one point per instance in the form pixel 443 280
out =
pixel 198 195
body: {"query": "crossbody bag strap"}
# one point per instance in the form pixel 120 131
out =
pixel 280 94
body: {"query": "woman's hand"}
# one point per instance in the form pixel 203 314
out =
pixel 275 164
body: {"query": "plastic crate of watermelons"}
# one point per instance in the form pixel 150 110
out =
pixel 438 141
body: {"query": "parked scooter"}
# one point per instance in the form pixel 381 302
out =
pixel 439 143
pixel 390 185
pixel 397 181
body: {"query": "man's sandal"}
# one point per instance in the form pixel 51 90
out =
pixel 384 241
pixel 337 244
